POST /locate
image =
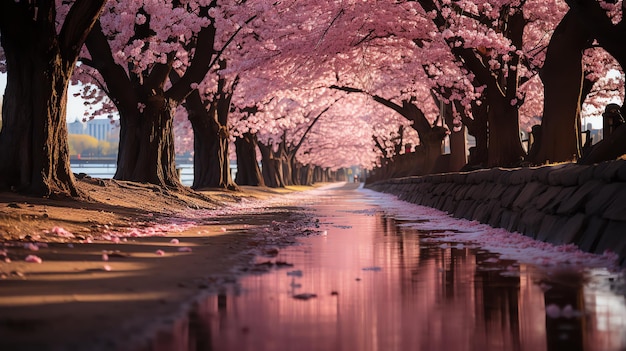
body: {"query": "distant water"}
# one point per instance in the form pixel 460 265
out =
pixel 107 170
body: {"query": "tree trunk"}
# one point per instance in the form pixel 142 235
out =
pixel 147 145
pixel 271 167
pixel 287 170
pixel 562 76
pixel 306 175
pixel 476 127
pixel 211 162
pixel 248 171
pixel 431 137
pixel 610 36
pixel 33 139
pixel 458 150
pixel 458 142
pixel 505 144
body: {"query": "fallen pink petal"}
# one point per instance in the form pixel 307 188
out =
pixel 31 247
pixel 59 231
pixel 33 259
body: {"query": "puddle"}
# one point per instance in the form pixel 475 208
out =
pixel 372 282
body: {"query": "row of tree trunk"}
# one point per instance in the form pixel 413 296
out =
pixel 40 62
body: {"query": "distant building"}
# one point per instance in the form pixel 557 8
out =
pixel 101 129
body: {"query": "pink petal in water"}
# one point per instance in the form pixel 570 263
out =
pixel 553 311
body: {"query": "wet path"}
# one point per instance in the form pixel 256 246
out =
pixel 373 281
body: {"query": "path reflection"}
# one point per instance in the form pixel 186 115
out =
pixel 379 286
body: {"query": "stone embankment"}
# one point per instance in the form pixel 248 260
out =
pixel 560 204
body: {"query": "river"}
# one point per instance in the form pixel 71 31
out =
pixel 107 170
pixel 386 275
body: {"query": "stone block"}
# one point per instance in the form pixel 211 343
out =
pixel 616 210
pixel 613 239
pixel 563 195
pixel 510 194
pixel 547 197
pixel 466 209
pixel 570 232
pixel 576 202
pixel 592 234
pixel 482 193
pixel 530 222
pixel 449 205
pixel 496 191
pixel 475 177
pixel 600 200
pixel 541 174
pixel 608 171
pixel 460 192
pixel 549 226
pixel 528 194
pixel 471 189
pixel 496 215
pixel 427 200
pixel 567 175
pixel 483 210
pixel 521 175
pixel 459 178
pixel 502 175
pixel 509 220
pixel 621 172
pixel 439 202
pixel 586 174
pixel 441 188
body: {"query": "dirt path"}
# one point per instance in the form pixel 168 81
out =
pixel 101 293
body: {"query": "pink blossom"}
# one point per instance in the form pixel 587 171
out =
pixel 174 241
pixel 184 249
pixel 159 252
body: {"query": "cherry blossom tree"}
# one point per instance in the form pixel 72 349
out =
pixel 131 53
pixel 209 120
pixel 41 42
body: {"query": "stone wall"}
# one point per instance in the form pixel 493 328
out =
pixel 560 204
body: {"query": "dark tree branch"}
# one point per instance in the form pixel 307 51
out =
pixel 77 25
